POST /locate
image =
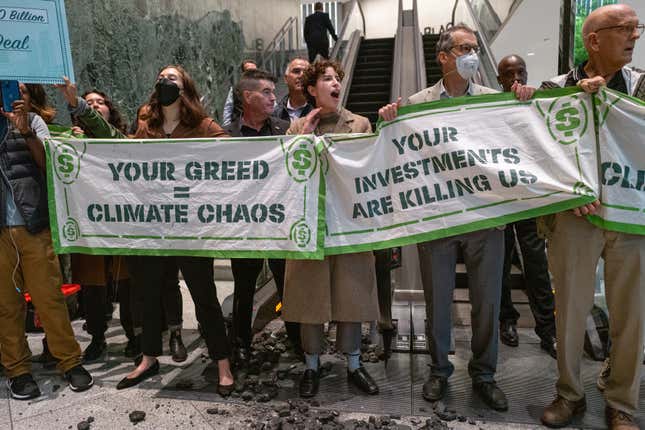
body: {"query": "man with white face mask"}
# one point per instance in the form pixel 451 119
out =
pixel 483 250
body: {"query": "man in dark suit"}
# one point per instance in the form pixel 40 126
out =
pixel 316 27
pixel 511 69
pixel 256 92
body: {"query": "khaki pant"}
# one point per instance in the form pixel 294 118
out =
pixel 338 288
pixel 574 249
pixel 37 272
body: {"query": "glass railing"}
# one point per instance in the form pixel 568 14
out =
pixel 491 15
pixel 282 48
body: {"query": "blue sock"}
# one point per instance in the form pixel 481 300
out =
pixel 353 360
pixel 312 361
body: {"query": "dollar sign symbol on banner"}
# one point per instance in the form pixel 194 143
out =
pixel 66 162
pixel 567 120
pixel 301 158
pixel 300 233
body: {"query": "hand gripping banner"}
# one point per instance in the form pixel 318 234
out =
pixel 252 197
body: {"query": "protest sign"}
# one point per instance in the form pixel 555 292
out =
pixel 459 165
pixel 34 42
pixel 621 145
pixel 440 169
pixel 251 197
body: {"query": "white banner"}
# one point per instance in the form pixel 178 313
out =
pixel 621 143
pixel 459 165
pixel 202 197
pixel 440 169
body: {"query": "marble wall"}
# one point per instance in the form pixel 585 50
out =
pixel 119 46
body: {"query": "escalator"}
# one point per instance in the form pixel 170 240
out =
pixel 370 86
pixel 433 70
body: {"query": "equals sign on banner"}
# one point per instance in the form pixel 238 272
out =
pixel 182 192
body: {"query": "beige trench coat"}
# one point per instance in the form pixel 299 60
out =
pixel 340 287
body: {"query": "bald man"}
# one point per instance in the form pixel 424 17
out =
pixel 575 245
pixel 510 70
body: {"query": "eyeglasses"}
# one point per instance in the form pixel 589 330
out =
pixel 627 30
pixel 465 48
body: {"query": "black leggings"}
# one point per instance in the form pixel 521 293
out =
pixel 245 274
pixel 198 273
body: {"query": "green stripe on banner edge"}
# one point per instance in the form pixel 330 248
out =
pixel 322 214
pixel 621 207
pixel 317 255
pixel 625 96
pixel 51 199
pixel 483 98
pixel 352 136
pixel 620 227
pixel 465 228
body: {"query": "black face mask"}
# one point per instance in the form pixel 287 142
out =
pixel 167 91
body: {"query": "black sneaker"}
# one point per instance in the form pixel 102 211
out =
pixel 23 387
pixel 94 350
pixel 78 378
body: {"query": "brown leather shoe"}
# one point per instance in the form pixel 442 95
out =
pixel 619 420
pixel 561 412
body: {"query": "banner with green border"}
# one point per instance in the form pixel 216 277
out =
pixel 440 169
pixel 459 165
pixel 247 198
pixel 621 148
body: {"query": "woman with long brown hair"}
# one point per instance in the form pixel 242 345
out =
pixel 173 110
pixel 35 99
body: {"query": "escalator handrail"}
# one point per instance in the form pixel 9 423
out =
pixel 395 87
pixel 348 63
pixel 420 63
pixel 343 29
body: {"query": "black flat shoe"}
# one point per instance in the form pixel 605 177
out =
pixel 361 379
pixel 131 382
pixel 309 383
pixel 225 390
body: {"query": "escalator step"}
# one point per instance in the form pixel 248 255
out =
pixel 360 88
pixel 369 79
pixel 379 99
pixel 374 70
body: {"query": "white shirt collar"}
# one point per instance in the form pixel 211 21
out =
pixel 444 94
pixel 289 107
